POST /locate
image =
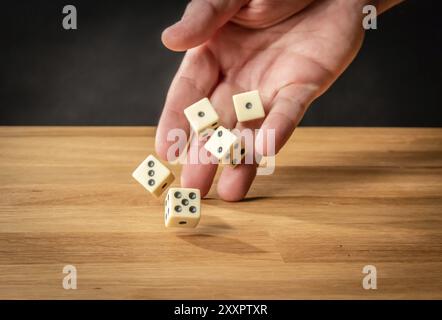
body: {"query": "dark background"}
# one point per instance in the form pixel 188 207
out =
pixel 114 70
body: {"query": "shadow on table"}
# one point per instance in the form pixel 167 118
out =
pixel 304 193
pixel 220 243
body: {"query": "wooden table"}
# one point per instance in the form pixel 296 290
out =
pixel 340 199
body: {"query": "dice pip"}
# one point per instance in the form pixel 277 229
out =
pixel 248 106
pixel 202 117
pixel 226 146
pixel 153 175
pixel 182 208
pixel 236 154
pixel 221 142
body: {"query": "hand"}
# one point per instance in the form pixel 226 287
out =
pixel 291 51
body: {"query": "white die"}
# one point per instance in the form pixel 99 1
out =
pixel 236 154
pixel 221 142
pixel 153 175
pixel 248 106
pixel 202 117
pixel 182 208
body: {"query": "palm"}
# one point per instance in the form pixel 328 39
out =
pixel 290 63
pixel 310 49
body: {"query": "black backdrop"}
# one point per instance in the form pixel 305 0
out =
pixel 114 70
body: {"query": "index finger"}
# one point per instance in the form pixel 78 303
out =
pixel 195 79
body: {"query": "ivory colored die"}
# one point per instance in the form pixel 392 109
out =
pixel 221 142
pixel 182 208
pixel 153 175
pixel 202 117
pixel 236 154
pixel 248 106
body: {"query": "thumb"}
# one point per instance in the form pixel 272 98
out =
pixel 200 21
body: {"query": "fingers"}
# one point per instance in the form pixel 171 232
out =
pixel 261 14
pixel 195 79
pixel 234 183
pixel 222 102
pixel 200 21
pixel 197 174
pixel 288 108
pixel 200 174
pixel 286 111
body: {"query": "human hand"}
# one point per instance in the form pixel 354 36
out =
pixel 290 58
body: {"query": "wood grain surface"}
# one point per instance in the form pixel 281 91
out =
pixel 340 199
